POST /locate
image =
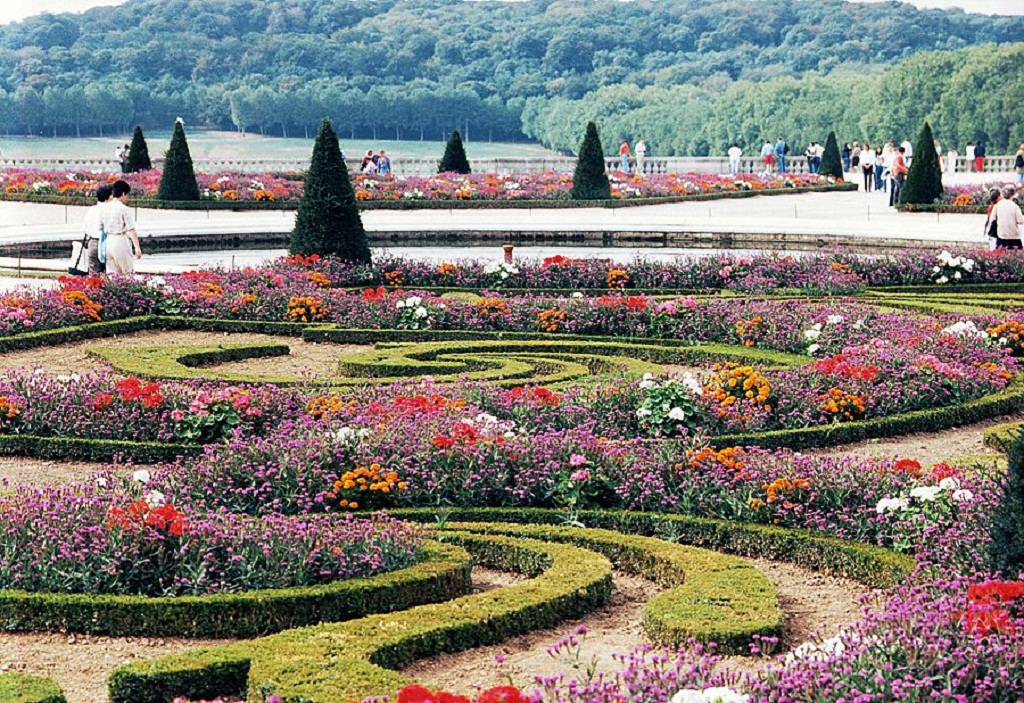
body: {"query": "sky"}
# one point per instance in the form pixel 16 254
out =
pixel 13 10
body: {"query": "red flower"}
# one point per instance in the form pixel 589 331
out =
pixel 943 470
pixel 445 697
pixel 908 466
pixel 501 694
pixel 415 693
pixel 374 295
pixel 101 401
pixel 443 442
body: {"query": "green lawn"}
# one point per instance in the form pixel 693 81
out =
pixel 229 145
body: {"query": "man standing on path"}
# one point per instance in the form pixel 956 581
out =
pixel 899 175
pixel 781 149
pixel 734 158
pixel 969 155
pixel 624 155
pixel 1009 220
pixel 92 228
pixel 123 246
pixel 641 151
pixel 768 155
pixel 979 157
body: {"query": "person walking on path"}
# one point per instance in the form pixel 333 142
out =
pixel 813 158
pixel 768 155
pixel 979 157
pixel 92 228
pixel 846 157
pixel 1009 220
pixel 908 151
pixel 867 166
pixel 641 151
pixel 951 157
pixel 1018 164
pixel 383 163
pixel 122 157
pixel 123 247
pixel 781 150
pixel 969 155
pixel 734 158
pixel 879 167
pixel 991 230
pixel 624 156
pixel 855 157
pixel 899 175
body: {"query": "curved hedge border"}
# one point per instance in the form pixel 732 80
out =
pixel 613 203
pixel 186 362
pixel 350 660
pixel 712 597
pixel 291 664
pixel 444 573
pixel 1002 436
pixel 22 688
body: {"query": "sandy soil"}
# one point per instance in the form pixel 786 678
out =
pixel 21 471
pixel 305 358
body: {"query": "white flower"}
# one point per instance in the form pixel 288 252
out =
pixel 101 482
pixel 935 269
pixel 400 304
pixel 722 694
pixel 812 334
pixel 155 498
pixel 813 348
pixel 576 294
pixel 969 265
pixel 344 435
pixel 677 414
pixel 859 325
pixel 689 695
pixel 818 650
pixel 692 384
pixel 834 319
pixel 141 476
pixel 643 412
pixel 945 256
pixel 963 495
pixel 925 493
pixel 646 383
pixel 957 275
pixel 890 505
pixel 421 312
pixel 942 279
pixel 412 301
pixel 949 484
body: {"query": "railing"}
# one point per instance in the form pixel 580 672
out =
pixel 409 166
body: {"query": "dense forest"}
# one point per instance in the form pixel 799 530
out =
pixel 690 75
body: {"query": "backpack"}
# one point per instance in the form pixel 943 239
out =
pixel 1019 161
pixel 785 148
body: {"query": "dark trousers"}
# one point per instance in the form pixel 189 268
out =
pixel 869 178
pixel 1008 244
pixel 96 267
pixel 897 186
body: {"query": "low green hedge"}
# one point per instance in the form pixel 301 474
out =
pixel 950 288
pixel 351 660
pixel 76 333
pixel 22 688
pixel 444 573
pixel 185 362
pixel 99 450
pixel 1002 436
pixel 712 597
pixel 1008 401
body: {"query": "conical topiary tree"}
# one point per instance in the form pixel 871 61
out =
pixel 178 181
pixel 454 159
pixel 138 153
pixel 924 179
pixel 328 221
pixel 1006 550
pixel 831 163
pixel 589 180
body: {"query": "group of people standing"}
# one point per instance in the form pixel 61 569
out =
pixel 882 167
pixel 639 152
pixel 110 243
pixel 378 164
pixel 1005 222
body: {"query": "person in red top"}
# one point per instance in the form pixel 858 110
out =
pixel 624 155
pixel 899 175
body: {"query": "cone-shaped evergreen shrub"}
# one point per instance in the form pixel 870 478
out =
pixel 589 180
pixel 178 181
pixel 138 153
pixel 454 159
pixel 924 179
pixel 328 222
pixel 831 163
pixel 1006 550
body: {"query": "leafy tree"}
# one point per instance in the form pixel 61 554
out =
pixel 178 181
pixel 589 180
pixel 328 221
pixel 924 179
pixel 454 159
pixel 1006 550
pixel 831 163
pixel 138 153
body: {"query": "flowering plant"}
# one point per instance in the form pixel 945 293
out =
pixel 951 268
pixel 413 314
pixel 669 408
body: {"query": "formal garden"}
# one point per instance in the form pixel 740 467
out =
pixel 313 474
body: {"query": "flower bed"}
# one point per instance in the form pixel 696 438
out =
pixel 271 189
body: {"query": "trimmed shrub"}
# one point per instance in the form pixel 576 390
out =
pixel 924 179
pixel 589 180
pixel 454 159
pixel 831 163
pixel 22 688
pixel 1006 550
pixel 138 153
pixel 327 221
pixel 178 181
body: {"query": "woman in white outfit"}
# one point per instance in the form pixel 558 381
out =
pixel 122 241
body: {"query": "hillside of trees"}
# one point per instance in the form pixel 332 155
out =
pixel 690 75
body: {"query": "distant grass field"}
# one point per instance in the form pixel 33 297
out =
pixel 229 145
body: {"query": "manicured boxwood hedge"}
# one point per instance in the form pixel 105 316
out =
pixel 22 688
pixel 186 362
pixel 98 450
pixel 443 573
pixel 1002 436
pixel 350 660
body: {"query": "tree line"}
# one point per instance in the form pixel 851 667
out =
pixel 498 70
